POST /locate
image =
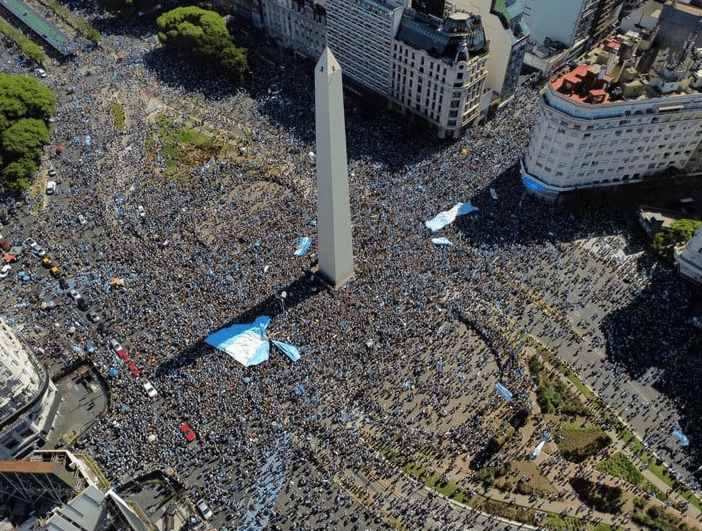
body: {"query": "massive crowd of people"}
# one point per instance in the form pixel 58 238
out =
pixel 216 247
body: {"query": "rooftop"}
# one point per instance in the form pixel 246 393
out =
pixel 615 71
pixel 456 38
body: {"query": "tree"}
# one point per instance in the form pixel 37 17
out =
pixel 25 97
pixel 24 139
pixel 17 174
pixel 201 36
pixel 682 230
pixel 25 107
pixel 679 233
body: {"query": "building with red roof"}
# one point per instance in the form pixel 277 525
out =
pixel 620 116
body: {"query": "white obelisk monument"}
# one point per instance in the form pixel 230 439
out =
pixel 333 210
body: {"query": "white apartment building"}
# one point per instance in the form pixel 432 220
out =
pixel 604 123
pixel 28 399
pixel 424 65
pixel 439 71
pixel 297 24
pixel 359 33
pixel 507 34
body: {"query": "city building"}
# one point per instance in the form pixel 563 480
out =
pixel 61 491
pixel 643 19
pixel 423 61
pixel 28 398
pixel 297 24
pixel 606 19
pixel 435 8
pixel 507 34
pixel 580 22
pixel 359 33
pixel 439 70
pixel 689 260
pixel 613 119
pixel 680 21
pixel 629 5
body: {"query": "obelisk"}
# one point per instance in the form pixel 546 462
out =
pixel 333 210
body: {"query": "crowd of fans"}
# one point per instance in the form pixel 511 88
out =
pixel 217 247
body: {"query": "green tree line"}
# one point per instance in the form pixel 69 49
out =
pixel 25 108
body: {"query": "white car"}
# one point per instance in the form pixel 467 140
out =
pixel 115 345
pixel 204 509
pixel 35 247
pixel 5 270
pixel 150 389
pixel 50 187
pixel 81 219
pixel 73 294
pixel 40 72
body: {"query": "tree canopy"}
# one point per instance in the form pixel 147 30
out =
pixel 202 37
pixel 25 107
pixel 679 233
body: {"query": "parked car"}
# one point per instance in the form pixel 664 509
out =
pixel 38 251
pixel 187 431
pixel 31 243
pixel 47 263
pixel 63 282
pixel 150 389
pixel 204 509
pixel 81 219
pixel 5 245
pixel 94 317
pixel 82 304
pixel 5 270
pixel 73 294
pixel 50 187
pixel 56 272
pixel 116 345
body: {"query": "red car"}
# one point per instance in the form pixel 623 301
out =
pixel 5 245
pixel 187 431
